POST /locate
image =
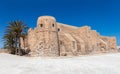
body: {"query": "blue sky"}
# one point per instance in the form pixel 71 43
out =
pixel 101 15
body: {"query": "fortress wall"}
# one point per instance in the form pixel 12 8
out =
pixel 86 38
pixel 81 35
pixel 66 28
pixel 80 45
pixel 94 38
pixel 31 39
pixel 50 38
pixel 84 34
pixel 113 44
pixel 68 45
pixel 106 40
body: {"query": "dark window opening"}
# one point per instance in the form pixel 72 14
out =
pixel 53 25
pixel 58 29
pixel 41 25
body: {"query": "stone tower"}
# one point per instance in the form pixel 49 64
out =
pixel 47 36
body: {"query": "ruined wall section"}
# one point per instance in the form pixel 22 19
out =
pixel 108 43
pixel 105 43
pixel 94 39
pixel 68 45
pixel 113 44
pixel 86 38
pixel 68 41
pixel 84 34
pixel 80 45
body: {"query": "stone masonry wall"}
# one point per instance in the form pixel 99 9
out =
pixel 50 38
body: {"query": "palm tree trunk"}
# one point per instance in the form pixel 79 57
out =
pixel 19 50
pixel 16 50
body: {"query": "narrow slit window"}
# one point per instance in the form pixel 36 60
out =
pixel 53 25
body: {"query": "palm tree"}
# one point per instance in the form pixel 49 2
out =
pixel 18 29
pixel 9 42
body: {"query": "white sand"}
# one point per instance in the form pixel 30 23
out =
pixel 96 64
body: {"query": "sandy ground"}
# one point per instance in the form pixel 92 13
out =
pixel 95 64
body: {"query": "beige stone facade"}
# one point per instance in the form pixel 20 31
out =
pixel 51 38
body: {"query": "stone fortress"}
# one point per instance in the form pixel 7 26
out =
pixel 50 38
